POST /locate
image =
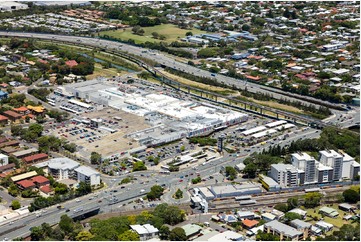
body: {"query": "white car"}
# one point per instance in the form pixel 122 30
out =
pixel 77 200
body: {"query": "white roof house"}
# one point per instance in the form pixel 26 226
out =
pixel 145 231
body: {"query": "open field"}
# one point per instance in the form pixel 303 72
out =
pixel 100 71
pixel 199 85
pixel 170 31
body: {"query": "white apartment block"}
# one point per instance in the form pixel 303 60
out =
pixel 88 175
pixel 306 164
pixel 286 175
pixel 332 159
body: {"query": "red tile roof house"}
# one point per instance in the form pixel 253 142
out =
pixel 249 224
pixel 46 189
pixel 35 158
pixel 3 120
pixel 71 63
pixel 40 181
pixel 25 184
pixel 12 115
pixel 21 110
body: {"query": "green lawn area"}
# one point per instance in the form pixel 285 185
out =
pixel 337 222
pixel 170 31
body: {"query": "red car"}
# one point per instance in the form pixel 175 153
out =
pixel 180 180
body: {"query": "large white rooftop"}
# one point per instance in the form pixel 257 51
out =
pixel 86 171
pixel 62 164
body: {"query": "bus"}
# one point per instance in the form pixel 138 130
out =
pixel 185 152
pixel 210 158
pixel 164 167
pixel 164 172
pixel 240 198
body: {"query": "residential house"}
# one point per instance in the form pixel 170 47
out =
pixel 145 232
pixel 328 211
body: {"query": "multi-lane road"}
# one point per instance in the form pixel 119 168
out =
pixel 169 62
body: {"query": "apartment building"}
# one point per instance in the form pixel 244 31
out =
pixel 306 165
pixel 88 175
pixel 284 174
pixel 332 159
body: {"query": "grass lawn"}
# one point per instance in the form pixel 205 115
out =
pixel 337 222
pixel 99 71
pixel 188 82
pixel 170 31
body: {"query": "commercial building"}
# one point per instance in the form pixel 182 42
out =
pixel 170 118
pixel 284 231
pixel 284 174
pixel 145 232
pixel 88 175
pixel 4 160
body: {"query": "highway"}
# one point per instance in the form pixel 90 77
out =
pixel 169 62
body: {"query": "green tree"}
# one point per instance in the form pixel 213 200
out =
pixel 66 224
pixel 289 216
pixel 231 173
pixel 95 158
pixel 139 166
pixel 312 199
pixel 262 236
pixel 84 236
pixel 36 234
pixel 156 191
pixel 250 170
pixel 83 189
pixel 155 35
pixel 178 194
pixel 351 196
pixel 177 234
pixel 13 190
pixel 189 33
pixel 164 232
pixel 281 207
pixel 128 236
pixel 15 204
pixel 292 203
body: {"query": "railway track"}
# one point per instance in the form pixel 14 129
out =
pixel 266 200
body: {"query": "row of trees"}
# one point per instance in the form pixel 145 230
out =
pixel 117 228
